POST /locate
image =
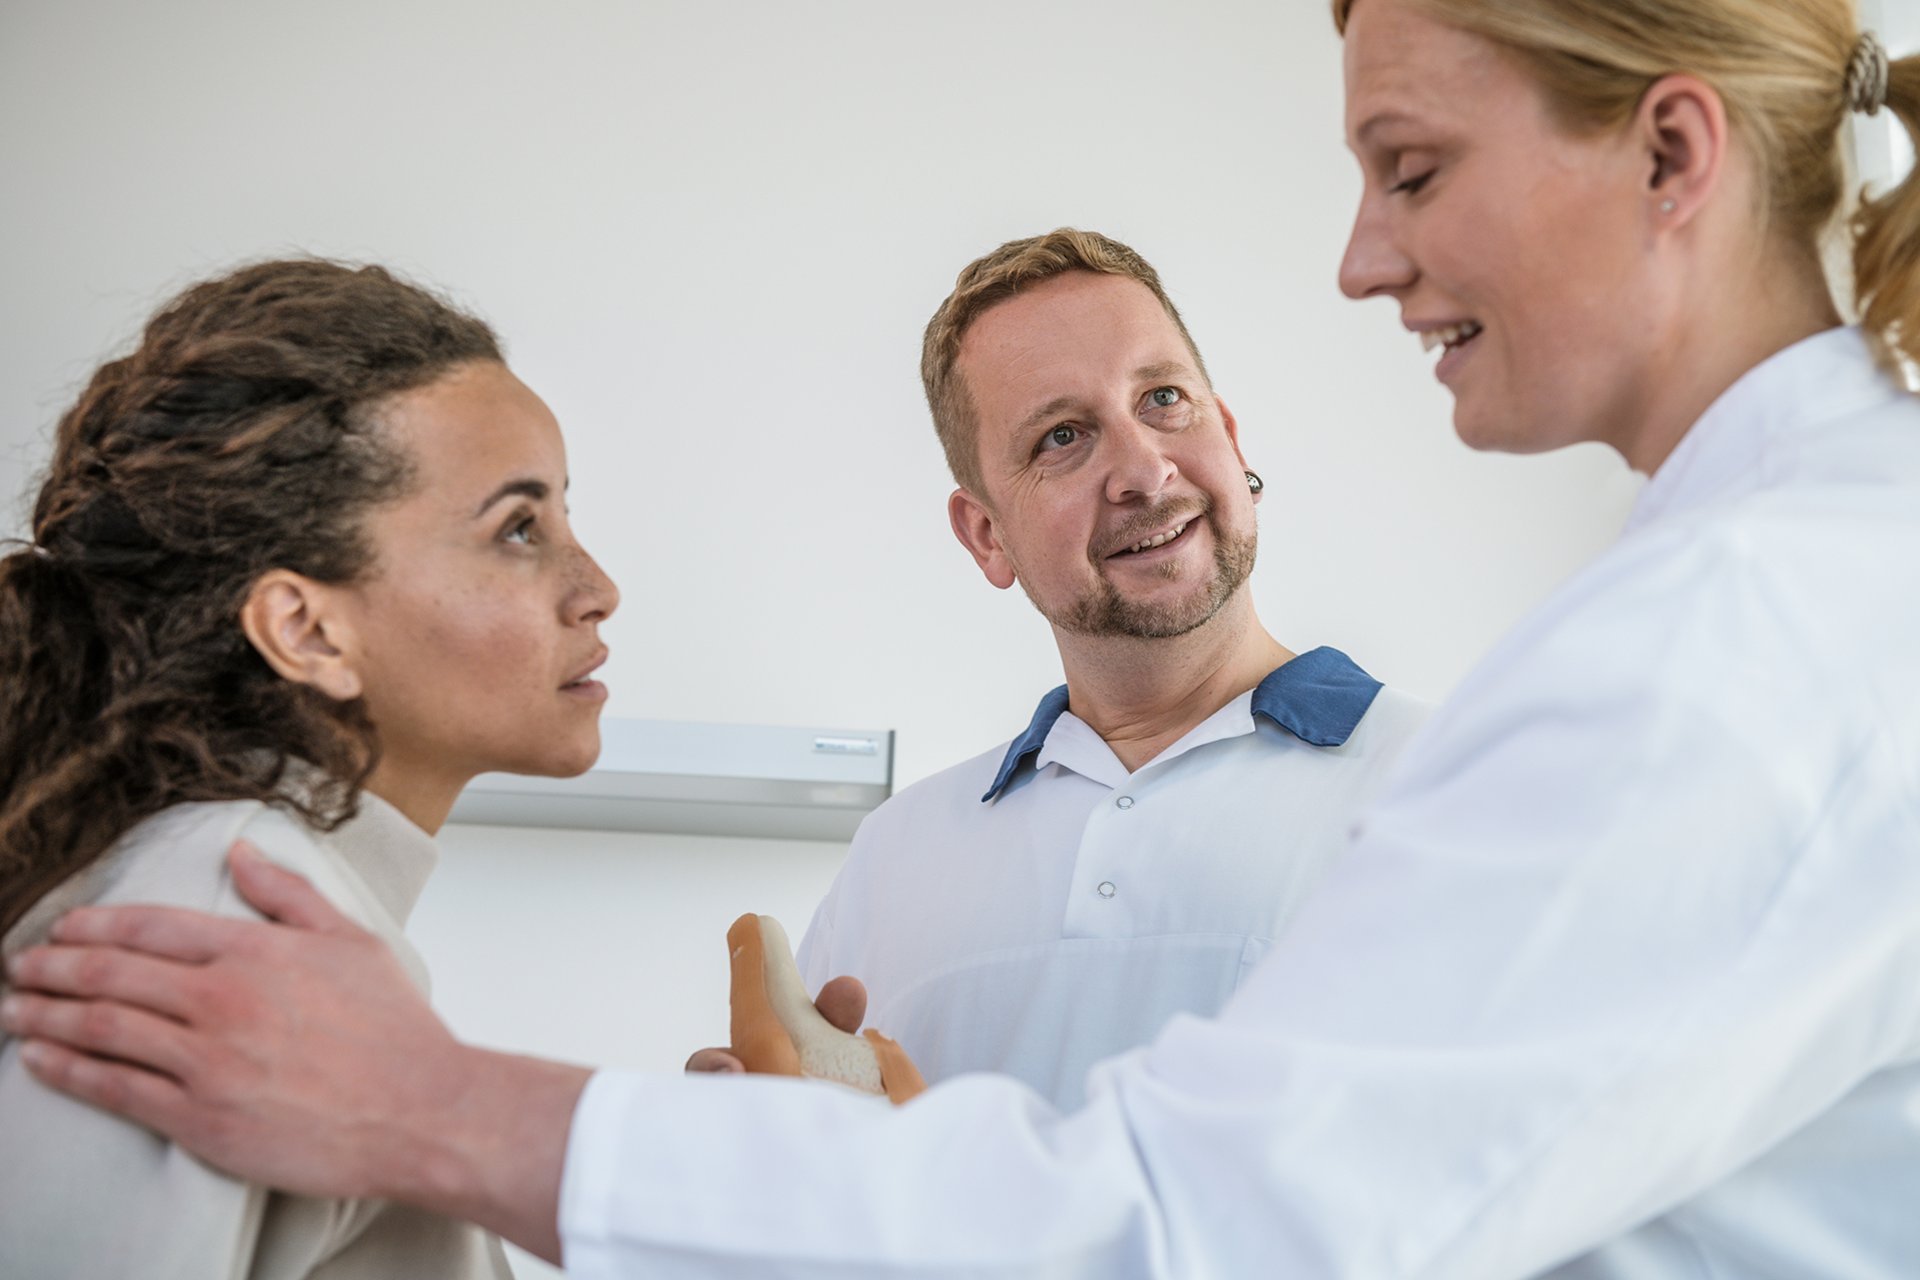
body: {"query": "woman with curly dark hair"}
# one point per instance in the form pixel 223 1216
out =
pixel 299 570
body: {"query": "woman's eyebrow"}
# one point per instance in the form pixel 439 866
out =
pixel 526 487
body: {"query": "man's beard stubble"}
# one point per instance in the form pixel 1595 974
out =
pixel 1103 611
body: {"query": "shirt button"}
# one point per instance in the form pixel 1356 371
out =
pixel 1125 802
pixel 1106 889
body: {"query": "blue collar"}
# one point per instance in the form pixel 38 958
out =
pixel 1318 697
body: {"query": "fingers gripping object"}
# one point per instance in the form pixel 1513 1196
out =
pixel 777 1031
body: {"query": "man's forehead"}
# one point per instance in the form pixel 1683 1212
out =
pixel 1068 337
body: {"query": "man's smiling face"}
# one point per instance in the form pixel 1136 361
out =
pixel 1115 493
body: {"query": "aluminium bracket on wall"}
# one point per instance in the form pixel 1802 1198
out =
pixel 702 779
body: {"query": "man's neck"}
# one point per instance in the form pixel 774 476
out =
pixel 1142 696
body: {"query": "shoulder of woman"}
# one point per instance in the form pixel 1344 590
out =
pixel 178 857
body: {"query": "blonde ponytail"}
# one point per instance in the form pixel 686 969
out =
pixel 1886 247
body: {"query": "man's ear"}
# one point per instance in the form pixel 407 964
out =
pixel 291 621
pixel 973 525
pixel 1681 127
pixel 1233 436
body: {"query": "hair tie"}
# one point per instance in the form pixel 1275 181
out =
pixel 1867 75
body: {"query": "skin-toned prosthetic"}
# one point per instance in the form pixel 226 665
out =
pixel 776 1029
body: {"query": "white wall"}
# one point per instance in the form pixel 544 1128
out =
pixel 711 235
pixel 599 948
pixel 1898 22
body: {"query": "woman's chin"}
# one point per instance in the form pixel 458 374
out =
pixel 1480 431
pixel 572 764
pixel 1490 433
pixel 568 757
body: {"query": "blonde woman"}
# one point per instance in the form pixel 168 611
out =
pixel 1621 978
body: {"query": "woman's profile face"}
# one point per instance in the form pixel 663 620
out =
pixel 477 625
pixel 1515 248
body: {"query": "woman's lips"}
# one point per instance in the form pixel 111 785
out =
pixel 1456 353
pixel 582 686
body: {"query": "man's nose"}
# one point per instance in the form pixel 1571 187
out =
pixel 1374 264
pixel 1138 464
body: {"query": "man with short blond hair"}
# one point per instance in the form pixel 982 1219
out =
pixel 1131 854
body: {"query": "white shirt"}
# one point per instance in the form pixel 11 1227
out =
pixel 1039 908
pixel 1622 977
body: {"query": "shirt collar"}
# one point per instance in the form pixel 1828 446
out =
pixel 388 851
pixel 1318 697
pixel 1029 742
pixel 392 856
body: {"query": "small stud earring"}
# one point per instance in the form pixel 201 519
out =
pixel 1254 483
pixel 1668 206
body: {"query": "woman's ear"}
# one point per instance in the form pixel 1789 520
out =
pixel 1682 125
pixel 291 622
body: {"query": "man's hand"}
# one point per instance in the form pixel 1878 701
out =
pixel 296 1054
pixel 842 1001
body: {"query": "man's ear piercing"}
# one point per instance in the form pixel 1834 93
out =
pixel 1254 483
pixel 1668 206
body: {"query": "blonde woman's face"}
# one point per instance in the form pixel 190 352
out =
pixel 1516 250
pixel 477 627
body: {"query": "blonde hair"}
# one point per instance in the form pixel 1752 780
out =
pixel 1780 67
pixel 985 283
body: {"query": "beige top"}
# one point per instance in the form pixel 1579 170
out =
pixel 86 1195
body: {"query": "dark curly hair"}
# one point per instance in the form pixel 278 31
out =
pixel 241 436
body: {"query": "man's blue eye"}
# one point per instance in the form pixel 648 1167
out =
pixel 1164 397
pixel 1060 437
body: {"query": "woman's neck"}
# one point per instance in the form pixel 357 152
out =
pixel 1727 334
pixel 423 797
